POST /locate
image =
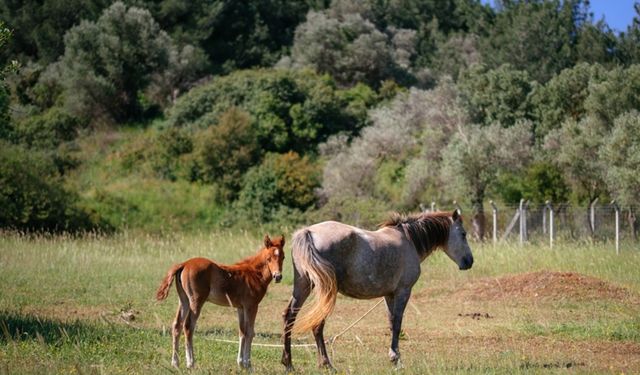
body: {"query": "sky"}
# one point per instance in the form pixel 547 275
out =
pixel 617 13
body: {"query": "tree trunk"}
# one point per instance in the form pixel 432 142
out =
pixel 633 226
pixel 479 220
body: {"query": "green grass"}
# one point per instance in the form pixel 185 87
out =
pixel 62 298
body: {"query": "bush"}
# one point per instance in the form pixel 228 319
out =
pixel 292 110
pixel 224 152
pixel 282 184
pixel 32 195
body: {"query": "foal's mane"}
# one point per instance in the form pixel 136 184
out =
pixel 249 269
pixel 427 230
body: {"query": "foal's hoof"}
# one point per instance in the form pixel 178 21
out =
pixel 289 369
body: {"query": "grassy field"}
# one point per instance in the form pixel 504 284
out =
pixel 65 305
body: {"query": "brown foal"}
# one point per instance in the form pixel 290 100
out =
pixel 242 285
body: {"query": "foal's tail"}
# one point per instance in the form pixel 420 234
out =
pixel 322 276
pixel 163 289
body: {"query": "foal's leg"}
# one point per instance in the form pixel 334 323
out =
pixel 323 357
pixel 301 290
pixel 400 300
pixel 190 327
pixel 176 330
pixel 241 335
pixel 250 313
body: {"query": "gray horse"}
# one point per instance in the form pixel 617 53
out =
pixel 332 257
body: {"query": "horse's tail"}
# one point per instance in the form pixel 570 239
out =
pixel 322 276
pixel 163 289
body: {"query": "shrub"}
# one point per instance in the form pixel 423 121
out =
pixel 292 110
pixel 224 152
pixel 283 183
pixel 32 195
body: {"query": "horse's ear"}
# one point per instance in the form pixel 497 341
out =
pixel 267 241
pixel 455 215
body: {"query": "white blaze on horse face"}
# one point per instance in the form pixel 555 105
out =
pixel 457 246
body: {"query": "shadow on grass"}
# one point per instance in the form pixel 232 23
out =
pixel 18 327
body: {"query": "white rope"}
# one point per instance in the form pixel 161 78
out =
pixel 330 341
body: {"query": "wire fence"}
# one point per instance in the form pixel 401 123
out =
pixel 526 223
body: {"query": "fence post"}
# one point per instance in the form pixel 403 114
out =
pixel 592 216
pixel 544 219
pixel 494 214
pixel 550 208
pixel 433 206
pixel 522 220
pixel 617 216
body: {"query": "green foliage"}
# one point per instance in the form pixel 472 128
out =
pixel 617 93
pixel 621 153
pixel 540 182
pixel 292 110
pixel 224 152
pixel 107 62
pixel 497 95
pixel 282 185
pixel 563 97
pixel 32 195
pixel 477 154
pixel 234 35
pixel 575 147
pixel 40 25
pixel 534 36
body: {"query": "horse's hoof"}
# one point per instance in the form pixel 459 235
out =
pixel 394 356
pixel 289 369
pixel 327 366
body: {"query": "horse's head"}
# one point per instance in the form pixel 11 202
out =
pixel 274 256
pixel 457 247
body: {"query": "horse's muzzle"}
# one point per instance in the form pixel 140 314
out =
pixel 466 263
pixel 277 277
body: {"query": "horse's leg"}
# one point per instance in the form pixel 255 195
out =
pixel 190 327
pixel 241 335
pixel 176 330
pixel 400 300
pixel 389 301
pixel 323 358
pixel 250 313
pixel 301 290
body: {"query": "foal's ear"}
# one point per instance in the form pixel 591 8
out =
pixel 267 241
pixel 455 215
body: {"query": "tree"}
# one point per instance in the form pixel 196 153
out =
pixel 476 155
pixel 40 25
pixel 574 149
pixel 497 95
pixel 563 97
pixel 106 63
pixel 621 154
pixel 349 48
pixel 536 36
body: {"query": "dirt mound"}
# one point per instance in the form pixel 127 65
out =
pixel 543 285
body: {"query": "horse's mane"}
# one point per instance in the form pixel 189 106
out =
pixel 427 230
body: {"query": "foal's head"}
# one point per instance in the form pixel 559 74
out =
pixel 274 256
